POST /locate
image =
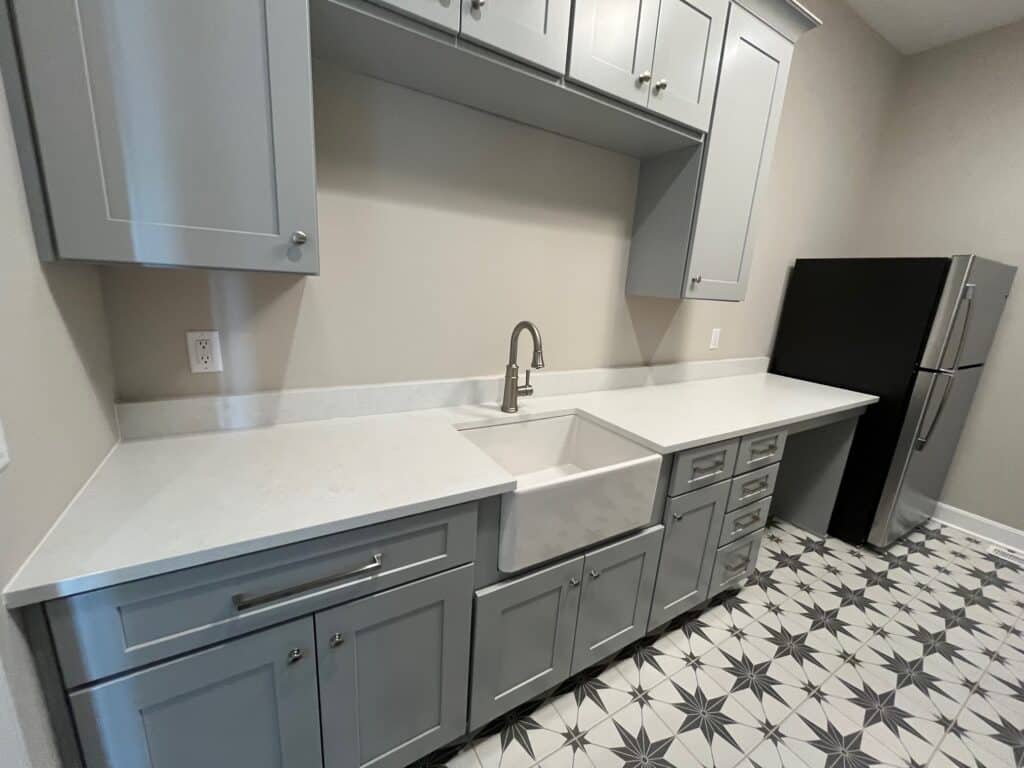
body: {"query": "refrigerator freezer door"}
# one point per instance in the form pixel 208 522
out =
pixel 968 314
pixel 935 418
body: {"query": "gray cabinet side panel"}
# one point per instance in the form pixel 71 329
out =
pixel 618 582
pixel 665 200
pixel 522 640
pixel 395 687
pixel 685 557
pixel 240 703
pixel 748 105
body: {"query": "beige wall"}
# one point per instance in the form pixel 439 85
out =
pixel 950 179
pixel 441 227
pixel 56 394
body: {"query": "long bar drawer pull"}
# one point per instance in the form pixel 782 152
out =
pixel 742 522
pixel 245 602
pixel 767 450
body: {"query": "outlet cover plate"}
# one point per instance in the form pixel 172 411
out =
pixel 204 351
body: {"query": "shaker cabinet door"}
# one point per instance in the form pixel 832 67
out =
pixel 684 571
pixel 394 672
pixel 618 581
pixel 443 13
pixel 251 702
pixel 613 47
pixel 175 133
pixel 536 31
pixel 522 639
pixel 686 58
pixel 751 86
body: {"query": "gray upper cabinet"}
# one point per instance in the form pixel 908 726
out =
pixel 442 13
pixel 174 133
pixel 536 31
pixel 686 58
pixel 738 158
pixel 666 61
pixel 394 672
pixel 522 642
pixel 613 47
pixel 250 702
pixel 684 571
pixel 618 581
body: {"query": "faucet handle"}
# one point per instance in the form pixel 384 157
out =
pixel 527 389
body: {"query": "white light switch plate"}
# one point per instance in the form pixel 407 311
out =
pixel 716 337
pixel 5 457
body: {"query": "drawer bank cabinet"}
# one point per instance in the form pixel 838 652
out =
pixel 719 498
pixel 369 637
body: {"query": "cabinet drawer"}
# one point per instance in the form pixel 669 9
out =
pixel 744 520
pixel 702 466
pixel 760 450
pixel 112 630
pixel 753 486
pixel 734 562
pixel 522 639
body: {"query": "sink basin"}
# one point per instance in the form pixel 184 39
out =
pixel 578 483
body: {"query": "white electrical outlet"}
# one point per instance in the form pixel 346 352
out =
pixel 5 457
pixel 204 351
pixel 716 336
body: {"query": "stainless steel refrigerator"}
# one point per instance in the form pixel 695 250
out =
pixel 915 332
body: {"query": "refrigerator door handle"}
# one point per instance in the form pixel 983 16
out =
pixel 923 435
pixel 966 297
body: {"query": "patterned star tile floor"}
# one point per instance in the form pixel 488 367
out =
pixel 830 656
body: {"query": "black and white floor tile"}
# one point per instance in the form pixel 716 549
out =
pixel 831 655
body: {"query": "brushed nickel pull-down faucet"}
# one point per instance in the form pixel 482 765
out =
pixel 510 399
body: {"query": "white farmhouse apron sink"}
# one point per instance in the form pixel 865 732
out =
pixel 578 483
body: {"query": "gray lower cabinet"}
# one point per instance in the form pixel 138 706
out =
pixel 523 638
pixel 536 31
pixel 738 158
pixel 618 582
pixel 394 672
pixel 251 702
pixel 442 13
pixel 684 571
pixel 174 133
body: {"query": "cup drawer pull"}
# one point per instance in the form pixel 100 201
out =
pixel 765 450
pixel 708 466
pixel 754 487
pixel 244 602
pixel 748 519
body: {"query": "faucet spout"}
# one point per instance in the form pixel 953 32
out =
pixel 512 392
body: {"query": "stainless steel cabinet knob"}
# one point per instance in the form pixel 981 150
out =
pixel 476 5
pixel 661 85
pixel 645 77
pixel 677 515
pixel 696 280
pixel 574 582
pixel 295 654
pixel 594 574
pixel 336 639
pixel 299 237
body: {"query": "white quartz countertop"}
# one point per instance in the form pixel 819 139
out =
pixel 159 505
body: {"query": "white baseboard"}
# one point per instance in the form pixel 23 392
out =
pixel 980 527
pixel 161 418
